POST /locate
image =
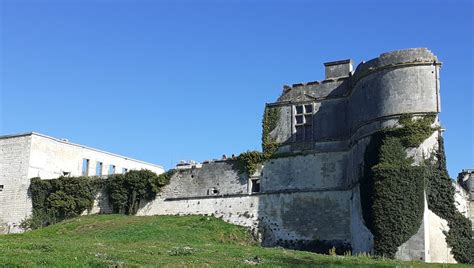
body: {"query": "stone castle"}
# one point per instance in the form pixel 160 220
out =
pixel 320 130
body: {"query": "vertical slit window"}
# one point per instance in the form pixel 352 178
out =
pixel 98 169
pixel 85 167
pixel 111 170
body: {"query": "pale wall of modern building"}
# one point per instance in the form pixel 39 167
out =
pixel 29 155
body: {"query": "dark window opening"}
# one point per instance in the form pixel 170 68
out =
pixel 66 174
pixel 299 109
pixel 299 119
pixel 1 188
pixel 255 186
pixel 124 170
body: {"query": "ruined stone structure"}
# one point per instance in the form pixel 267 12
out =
pixel 311 191
pixel 29 155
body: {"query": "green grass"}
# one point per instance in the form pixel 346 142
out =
pixel 117 240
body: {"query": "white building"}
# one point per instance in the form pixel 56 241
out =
pixel 28 155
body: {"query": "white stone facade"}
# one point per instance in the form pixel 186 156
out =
pixel 29 155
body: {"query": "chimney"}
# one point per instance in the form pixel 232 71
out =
pixel 337 69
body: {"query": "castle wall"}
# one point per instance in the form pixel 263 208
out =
pixel 393 91
pixel 439 250
pixel 315 171
pixel 405 81
pixel 221 176
pixel 315 203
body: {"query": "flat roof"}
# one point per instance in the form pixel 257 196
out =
pixel 73 144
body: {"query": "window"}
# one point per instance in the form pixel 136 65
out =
pixel 1 188
pixel 66 174
pixel 85 167
pixel 111 170
pixel 303 121
pixel 255 187
pixel 124 170
pixel 98 169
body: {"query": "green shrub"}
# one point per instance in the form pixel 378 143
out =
pixel 127 190
pixel 414 131
pixel 247 162
pixel 67 197
pixel 59 199
pixel 440 192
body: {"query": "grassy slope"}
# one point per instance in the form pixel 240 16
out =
pixel 110 240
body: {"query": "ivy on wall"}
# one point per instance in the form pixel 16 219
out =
pixel 67 197
pixel 247 162
pixel 125 191
pixel 60 199
pixel 392 190
pixel 440 194
pixel 270 121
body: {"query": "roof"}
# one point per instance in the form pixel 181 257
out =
pixel 65 141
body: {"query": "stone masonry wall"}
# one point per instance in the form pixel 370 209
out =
pixel 15 205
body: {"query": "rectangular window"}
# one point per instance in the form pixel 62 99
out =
pixel 255 186
pixel 124 170
pixel 303 121
pixel 1 188
pixel 85 167
pixel 98 169
pixel 111 170
pixel 299 109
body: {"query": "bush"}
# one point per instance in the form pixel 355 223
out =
pixel 67 197
pixel 60 199
pixel 127 190
pixel 247 162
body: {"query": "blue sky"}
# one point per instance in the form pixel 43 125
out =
pixel 163 81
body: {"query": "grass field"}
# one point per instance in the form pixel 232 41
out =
pixel 117 240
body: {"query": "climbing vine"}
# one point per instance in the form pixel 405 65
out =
pixel 125 191
pixel 247 162
pixel 271 117
pixel 440 194
pixel 392 188
pixel 59 199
